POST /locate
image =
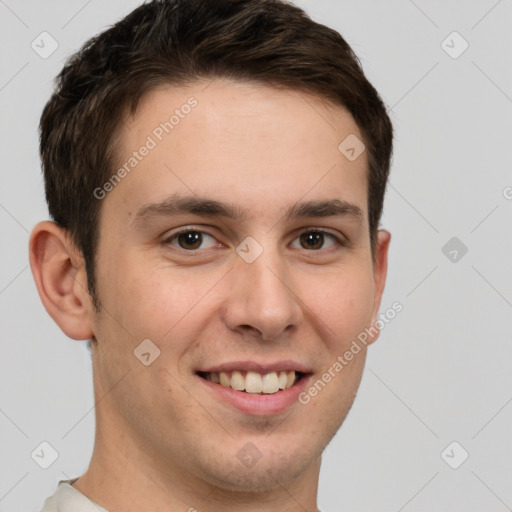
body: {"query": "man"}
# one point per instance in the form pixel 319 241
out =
pixel 215 172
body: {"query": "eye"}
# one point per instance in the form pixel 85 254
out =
pixel 191 239
pixel 315 240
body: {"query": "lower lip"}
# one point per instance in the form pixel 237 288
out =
pixel 258 404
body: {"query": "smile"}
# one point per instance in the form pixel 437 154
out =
pixel 256 388
pixel 254 382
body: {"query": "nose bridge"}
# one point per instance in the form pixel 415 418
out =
pixel 262 295
pixel 267 279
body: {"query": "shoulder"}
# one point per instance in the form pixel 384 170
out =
pixel 69 499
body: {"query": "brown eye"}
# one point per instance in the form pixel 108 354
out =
pixel 317 239
pixel 312 240
pixel 191 240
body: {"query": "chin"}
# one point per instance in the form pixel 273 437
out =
pixel 264 470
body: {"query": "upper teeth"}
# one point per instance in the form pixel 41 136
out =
pixel 254 382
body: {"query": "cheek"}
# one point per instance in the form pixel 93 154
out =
pixel 155 301
pixel 344 304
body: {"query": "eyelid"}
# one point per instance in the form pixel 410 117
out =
pixel 338 238
pixel 185 229
pixel 169 236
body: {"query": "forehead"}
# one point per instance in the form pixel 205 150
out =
pixel 254 144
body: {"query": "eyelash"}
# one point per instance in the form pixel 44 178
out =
pixel 337 240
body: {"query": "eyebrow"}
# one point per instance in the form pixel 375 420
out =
pixel 324 208
pixel 206 207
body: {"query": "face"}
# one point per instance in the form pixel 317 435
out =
pixel 238 244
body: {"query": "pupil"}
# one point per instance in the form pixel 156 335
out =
pixel 190 240
pixel 314 240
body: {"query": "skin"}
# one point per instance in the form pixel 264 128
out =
pixel 163 441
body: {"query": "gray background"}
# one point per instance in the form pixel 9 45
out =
pixel 441 371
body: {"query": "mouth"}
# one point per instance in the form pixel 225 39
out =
pixel 253 382
pixel 254 389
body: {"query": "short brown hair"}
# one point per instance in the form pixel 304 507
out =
pixel 178 42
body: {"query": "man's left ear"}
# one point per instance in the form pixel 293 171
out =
pixel 380 270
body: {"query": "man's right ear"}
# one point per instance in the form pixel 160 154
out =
pixel 59 272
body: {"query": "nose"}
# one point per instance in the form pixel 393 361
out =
pixel 261 301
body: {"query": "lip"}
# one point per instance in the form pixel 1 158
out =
pixel 254 366
pixel 256 404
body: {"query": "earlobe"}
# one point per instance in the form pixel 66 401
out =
pixel 380 269
pixel 59 272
